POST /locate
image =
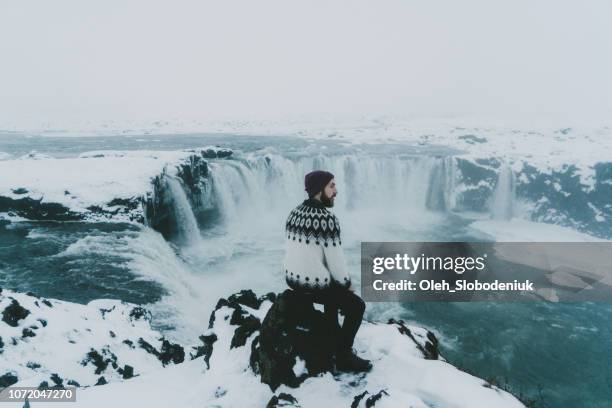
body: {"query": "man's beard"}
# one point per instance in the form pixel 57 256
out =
pixel 327 201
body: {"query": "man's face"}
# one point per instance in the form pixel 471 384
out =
pixel 329 194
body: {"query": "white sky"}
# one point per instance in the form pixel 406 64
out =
pixel 147 60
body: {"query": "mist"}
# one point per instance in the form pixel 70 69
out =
pixel 150 60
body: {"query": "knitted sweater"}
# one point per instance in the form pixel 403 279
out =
pixel 313 252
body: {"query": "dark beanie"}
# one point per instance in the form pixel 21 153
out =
pixel 316 181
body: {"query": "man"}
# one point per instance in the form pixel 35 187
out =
pixel 315 265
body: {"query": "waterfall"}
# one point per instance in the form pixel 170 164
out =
pixel 186 223
pixel 441 185
pixel 502 204
pixel 256 191
pixel 261 184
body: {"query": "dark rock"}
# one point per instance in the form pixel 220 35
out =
pixel 358 399
pixel 430 349
pixel 29 293
pixel 105 311
pixel 43 385
pixel 32 365
pixel 282 400
pixel 370 401
pixel 101 381
pixel 37 209
pixel 59 382
pixel 128 204
pixel 196 182
pixel 127 371
pixel 96 209
pixel 171 352
pixel 245 297
pixel 98 360
pixel 292 329
pixel 219 153
pixel 206 349
pixel 19 190
pixel 13 313
pixel 129 343
pixel 46 302
pixel 7 380
pixel 220 303
pixel 43 322
pixel 247 326
pixel 27 332
pixel 139 312
pixel 146 346
pixel 1 345
pixel 73 383
pixel 112 333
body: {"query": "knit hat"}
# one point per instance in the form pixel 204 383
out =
pixel 316 181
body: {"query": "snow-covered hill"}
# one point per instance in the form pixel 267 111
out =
pixel 220 375
pixel 62 343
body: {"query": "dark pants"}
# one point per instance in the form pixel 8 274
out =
pixel 352 307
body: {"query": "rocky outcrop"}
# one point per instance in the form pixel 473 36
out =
pixel 295 342
pixel 159 205
pixel 104 341
pixel 36 209
pixel 288 347
pixel 272 350
pixel 292 333
pixel 135 188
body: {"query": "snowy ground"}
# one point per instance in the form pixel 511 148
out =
pixel 399 368
pixel 51 338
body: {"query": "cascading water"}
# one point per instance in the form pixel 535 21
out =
pixel 271 183
pixel 503 200
pixel 186 223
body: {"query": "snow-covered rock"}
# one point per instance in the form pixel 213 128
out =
pixel 107 185
pixel 47 341
pixel 407 369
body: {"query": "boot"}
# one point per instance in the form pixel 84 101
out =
pixel 346 360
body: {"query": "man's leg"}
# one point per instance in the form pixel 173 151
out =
pixel 331 314
pixel 352 307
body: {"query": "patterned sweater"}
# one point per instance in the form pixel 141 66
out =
pixel 313 252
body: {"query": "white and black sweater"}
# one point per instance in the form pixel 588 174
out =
pixel 313 251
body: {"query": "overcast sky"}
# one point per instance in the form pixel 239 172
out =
pixel 146 60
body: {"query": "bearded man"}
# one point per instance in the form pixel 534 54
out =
pixel 315 265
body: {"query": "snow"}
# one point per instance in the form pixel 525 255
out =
pixel 545 143
pixel 74 330
pixel 399 368
pixel 95 178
